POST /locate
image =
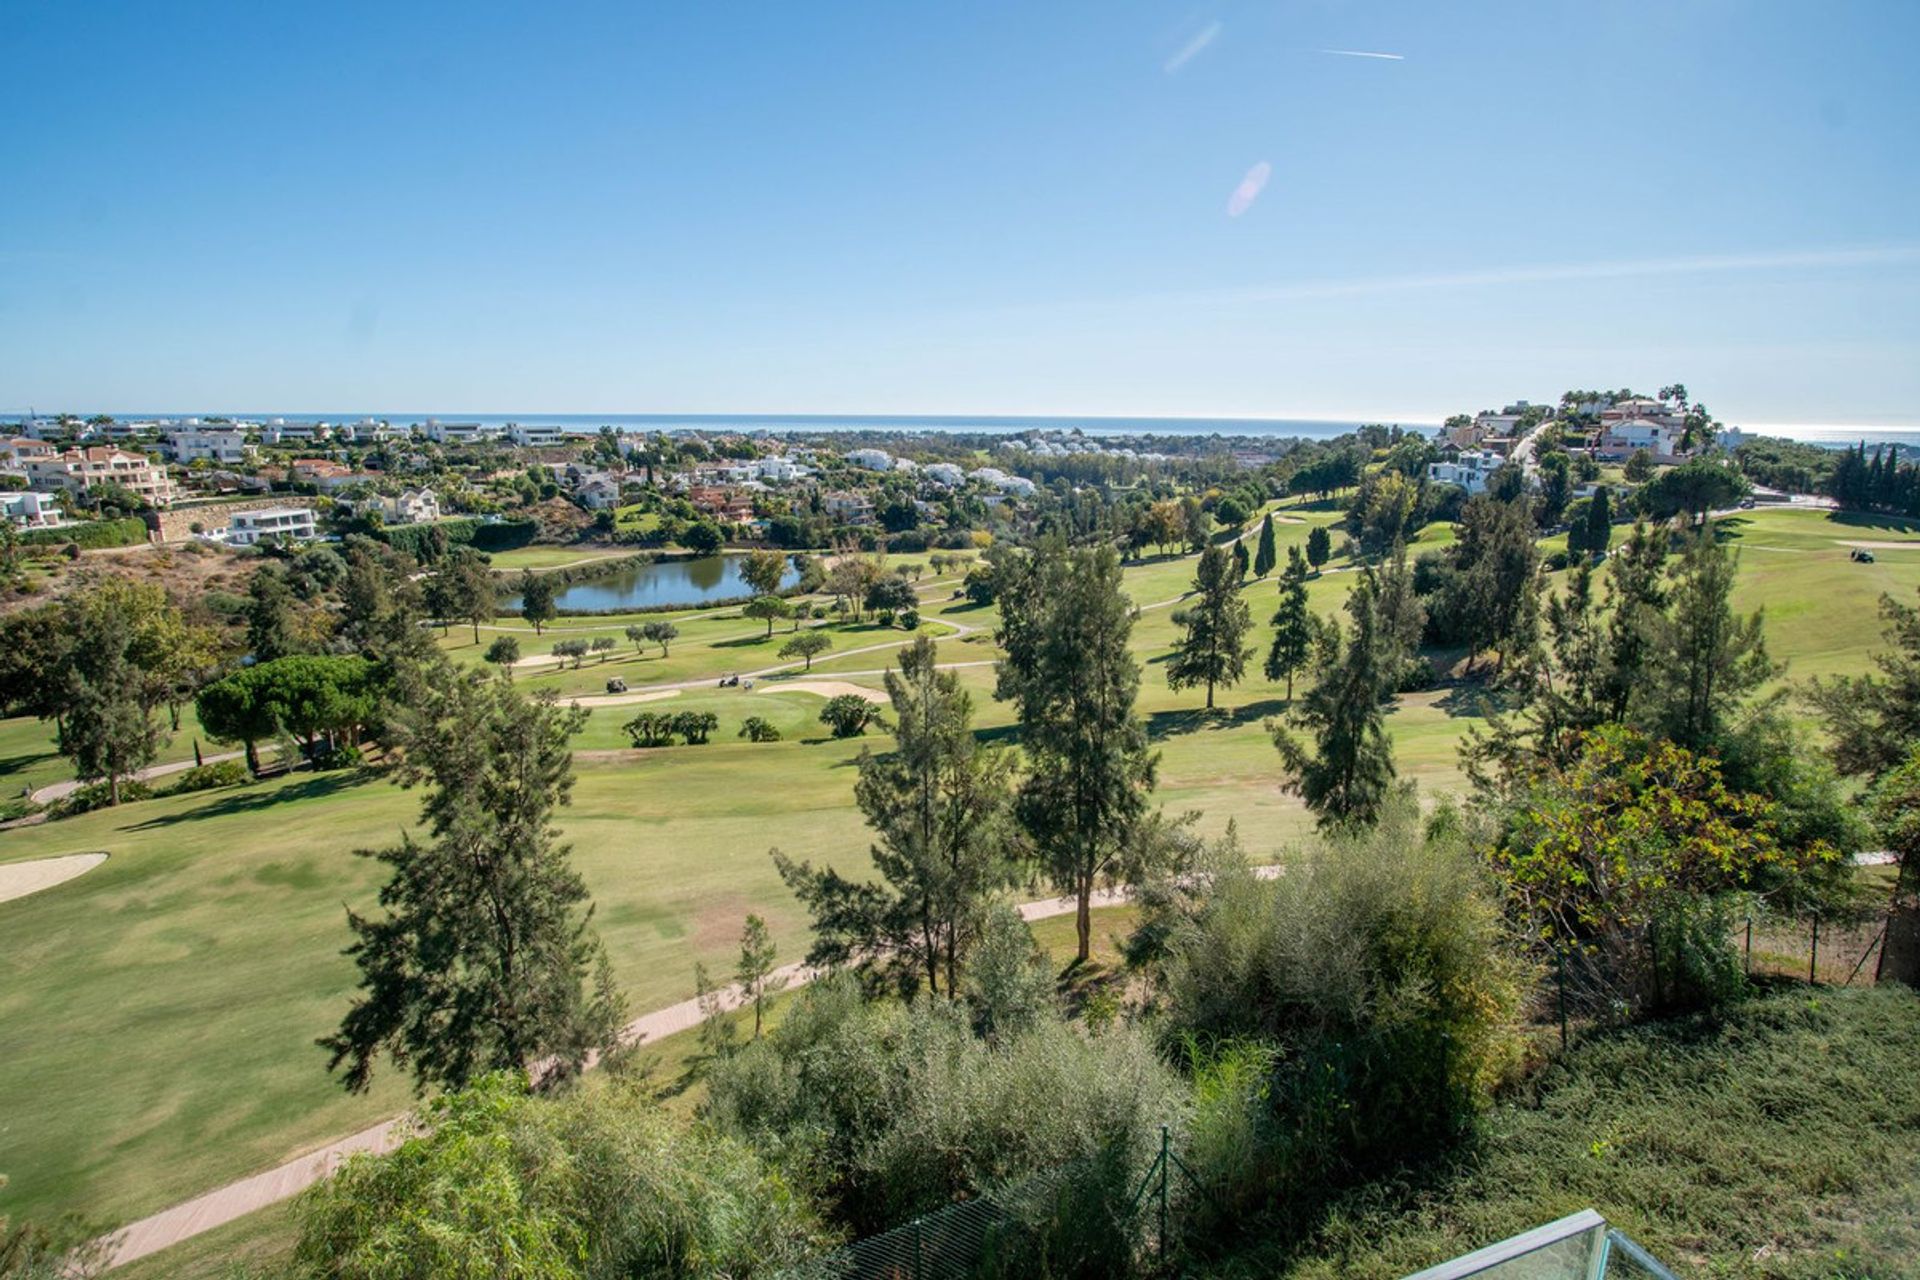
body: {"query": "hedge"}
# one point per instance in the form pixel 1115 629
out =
pixel 91 535
pixel 463 532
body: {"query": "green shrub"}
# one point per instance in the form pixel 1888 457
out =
pixel 848 715
pixel 695 727
pixel 650 729
pixel 598 1184
pixel 759 729
pixel 1381 973
pixel 222 773
pixel 90 536
pixel 17 808
pixel 343 756
pixel 895 1110
pixel 95 796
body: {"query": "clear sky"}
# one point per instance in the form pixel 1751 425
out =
pixel 1059 207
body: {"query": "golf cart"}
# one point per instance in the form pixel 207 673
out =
pixel 1861 555
pixel 616 685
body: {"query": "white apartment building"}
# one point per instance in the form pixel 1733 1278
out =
pixel 871 459
pixel 77 470
pixel 534 436
pixel 947 473
pixel 30 510
pixel 216 444
pixel 370 431
pixel 280 431
pixel 461 432
pixel 1019 486
pixel 1469 469
pixel 291 524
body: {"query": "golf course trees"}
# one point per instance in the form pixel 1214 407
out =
pixel 483 958
pixel 754 973
pixel 938 805
pixel 1265 559
pixel 1345 775
pixel 768 609
pixel 503 653
pixel 1214 650
pixel 1064 629
pixel 1695 488
pixel 1703 659
pixel 536 600
pixel 1292 624
pixel 305 696
pixel 807 644
pixel 128 650
pixel 471 593
pixel 763 570
pixel 660 633
pixel 271 632
pixel 847 715
pixel 1319 547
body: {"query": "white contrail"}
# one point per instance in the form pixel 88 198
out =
pixel 1193 47
pixel 1362 53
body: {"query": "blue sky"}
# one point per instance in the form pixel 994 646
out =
pixel 1098 208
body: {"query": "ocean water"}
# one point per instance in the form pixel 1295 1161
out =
pixel 780 423
pixel 1301 428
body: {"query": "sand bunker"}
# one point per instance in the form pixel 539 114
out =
pixel 825 688
pixel 18 879
pixel 622 699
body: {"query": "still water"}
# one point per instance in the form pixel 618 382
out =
pixel 651 586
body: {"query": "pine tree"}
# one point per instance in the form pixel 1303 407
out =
pixel 937 804
pixel 1292 624
pixel 1345 776
pixel 485 958
pixel 1214 650
pixel 1265 559
pixel 1240 565
pixel 1703 659
pixel 536 599
pixel 1064 629
pixel 754 973
pixel 1319 547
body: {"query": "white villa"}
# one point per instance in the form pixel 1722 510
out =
pixel 461 432
pixel 1625 438
pixel 30 510
pixel 251 528
pixel 534 437
pixel 1469 469
pixel 871 459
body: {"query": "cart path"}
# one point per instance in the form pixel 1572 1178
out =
pixel 61 790
pixel 216 1208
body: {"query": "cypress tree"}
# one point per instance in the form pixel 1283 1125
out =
pixel 1599 523
pixel 1265 558
pixel 1213 651
pixel 1292 624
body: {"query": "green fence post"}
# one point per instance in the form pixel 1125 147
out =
pixel 1749 942
pixel 1165 1143
pixel 1560 965
pixel 918 1274
pixel 1813 953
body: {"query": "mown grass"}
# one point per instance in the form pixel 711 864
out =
pixel 1780 1139
pixel 158 1014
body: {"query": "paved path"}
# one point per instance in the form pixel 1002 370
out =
pixel 223 1205
pixel 61 790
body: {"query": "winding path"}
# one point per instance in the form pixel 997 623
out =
pixel 61 790
pixel 216 1208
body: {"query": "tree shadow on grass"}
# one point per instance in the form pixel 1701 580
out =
pixel 1162 725
pixel 744 642
pixel 255 799
pixel 1874 520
